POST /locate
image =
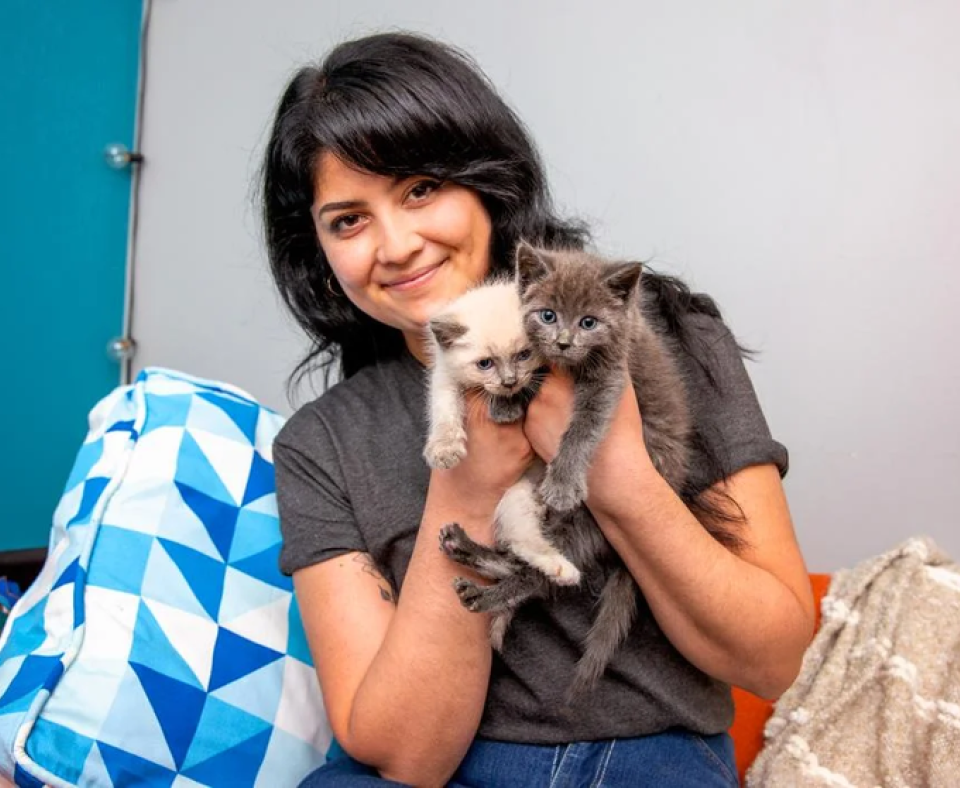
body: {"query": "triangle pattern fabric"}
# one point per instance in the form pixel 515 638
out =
pixel 260 480
pixel 31 624
pixel 193 637
pixel 297 646
pixel 132 726
pixel 163 581
pixel 264 625
pixel 219 518
pixel 235 767
pixel 171 410
pixel 178 707
pixel 222 728
pixel 204 575
pixel 152 649
pixel 207 415
pixel 263 566
pixel 60 747
pixel 229 460
pixel 251 693
pixel 160 645
pixel 234 656
pixel 194 470
pixel 125 768
pixel 243 593
pixel 35 672
pixel 244 414
pixel 256 532
pixel 179 523
pixel 92 490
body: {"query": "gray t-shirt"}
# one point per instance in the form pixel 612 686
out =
pixel 351 477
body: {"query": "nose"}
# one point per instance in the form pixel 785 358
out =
pixel 400 239
pixel 510 382
pixel 563 340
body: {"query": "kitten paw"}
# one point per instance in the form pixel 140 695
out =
pixel 560 495
pixel 471 595
pixel 559 570
pixel 454 541
pixel 445 451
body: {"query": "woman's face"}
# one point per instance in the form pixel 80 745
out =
pixel 400 249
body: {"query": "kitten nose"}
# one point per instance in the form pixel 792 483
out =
pixel 510 382
pixel 563 341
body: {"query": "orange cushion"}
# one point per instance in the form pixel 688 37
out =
pixel 751 713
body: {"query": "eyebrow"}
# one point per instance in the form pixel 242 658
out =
pixel 339 206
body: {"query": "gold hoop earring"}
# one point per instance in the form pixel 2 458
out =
pixel 330 288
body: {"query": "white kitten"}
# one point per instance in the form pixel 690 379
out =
pixel 478 343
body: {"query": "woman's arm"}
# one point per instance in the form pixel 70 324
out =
pixel 745 619
pixel 404 680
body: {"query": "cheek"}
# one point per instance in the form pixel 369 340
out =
pixel 351 260
pixel 461 221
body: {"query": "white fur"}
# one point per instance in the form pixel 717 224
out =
pixel 519 518
pixel 493 318
pixel 494 321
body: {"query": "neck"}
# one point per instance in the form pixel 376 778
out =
pixel 416 344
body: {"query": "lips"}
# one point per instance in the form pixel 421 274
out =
pixel 414 279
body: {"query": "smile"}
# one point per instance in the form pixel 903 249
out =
pixel 419 278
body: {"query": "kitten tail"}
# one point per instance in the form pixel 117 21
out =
pixel 616 611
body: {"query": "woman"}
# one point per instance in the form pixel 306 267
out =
pixel 395 178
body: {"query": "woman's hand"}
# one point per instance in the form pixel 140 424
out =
pixel 548 415
pixel 497 456
pixel 621 454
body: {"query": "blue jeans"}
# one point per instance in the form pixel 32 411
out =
pixel 672 758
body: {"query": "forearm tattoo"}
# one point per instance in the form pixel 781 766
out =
pixel 370 568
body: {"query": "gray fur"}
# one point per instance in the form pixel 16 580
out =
pixel 575 285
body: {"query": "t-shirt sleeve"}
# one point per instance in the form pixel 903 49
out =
pixel 317 522
pixel 727 414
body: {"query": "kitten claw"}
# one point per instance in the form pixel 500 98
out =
pixel 562 497
pixel 471 595
pixel 451 541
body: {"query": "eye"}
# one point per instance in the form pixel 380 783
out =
pixel 346 222
pixel 589 323
pixel 485 364
pixel 548 316
pixel 423 189
pixel 524 355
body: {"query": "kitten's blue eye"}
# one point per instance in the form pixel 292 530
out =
pixel 524 355
pixel 485 364
pixel 548 316
pixel 589 323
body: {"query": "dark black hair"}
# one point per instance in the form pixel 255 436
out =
pixel 404 105
pixel 401 105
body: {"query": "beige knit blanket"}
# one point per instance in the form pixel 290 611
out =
pixel 877 702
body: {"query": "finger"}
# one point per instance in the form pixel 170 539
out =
pixel 476 409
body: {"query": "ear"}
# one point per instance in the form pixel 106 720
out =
pixel 447 330
pixel 622 279
pixel 531 265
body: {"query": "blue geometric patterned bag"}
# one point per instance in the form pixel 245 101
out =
pixel 160 645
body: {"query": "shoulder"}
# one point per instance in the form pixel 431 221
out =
pixel 358 403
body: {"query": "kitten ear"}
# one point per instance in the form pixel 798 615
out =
pixel 531 265
pixel 622 279
pixel 447 330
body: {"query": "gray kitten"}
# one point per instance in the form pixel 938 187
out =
pixel 586 316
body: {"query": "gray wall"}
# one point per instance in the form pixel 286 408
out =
pixel 797 160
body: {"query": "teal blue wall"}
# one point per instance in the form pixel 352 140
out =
pixel 68 81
